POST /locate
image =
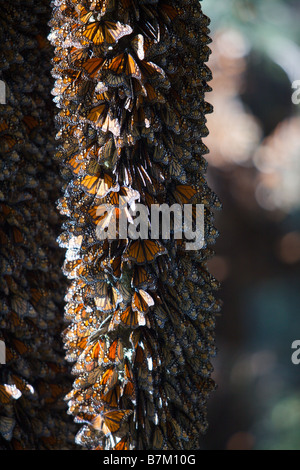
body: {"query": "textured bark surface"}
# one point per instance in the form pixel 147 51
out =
pixel 130 87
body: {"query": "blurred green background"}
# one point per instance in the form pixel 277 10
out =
pixel 254 166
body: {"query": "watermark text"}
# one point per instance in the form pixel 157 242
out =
pixel 2 92
pixel 2 353
pixel 296 94
pixel 137 221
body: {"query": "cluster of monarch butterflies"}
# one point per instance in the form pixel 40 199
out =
pixel 35 379
pixel 130 85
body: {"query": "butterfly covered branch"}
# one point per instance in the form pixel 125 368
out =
pixel 34 377
pixel 130 85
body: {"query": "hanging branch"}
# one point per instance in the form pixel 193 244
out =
pixel 31 401
pixel 130 88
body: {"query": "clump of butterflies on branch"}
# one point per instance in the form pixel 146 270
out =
pixel 130 85
pixel 34 378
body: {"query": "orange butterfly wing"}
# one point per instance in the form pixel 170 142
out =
pixel 114 419
pixel 142 301
pixel 184 193
pixel 144 251
pixel 111 421
pixel 93 66
pixel 122 445
pixel 132 319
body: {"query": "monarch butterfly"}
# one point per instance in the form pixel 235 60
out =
pixel 144 251
pixel 8 393
pixel 123 444
pixel 107 32
pixel 184 193
pixel 175 431
pixel 91 356
pixel 171 119
pixel 7 426
pixel 115 80
pixel 83 14
pixel 21 384
pixel 109 299
pixel 3 126
pixel 11 355
pixel 116 352
pixel 8 143
pixel 124 64
pixel 108 380
pixel 140 358
pixel 110 421
pixel 177 171
pixel 168 12
pixel 86 436
pixel 128 388
pixel 73 332
pixel 138 45
pixel 99 186
pixel 75 348
pixel 70 268
pixel 131 319
pixel 103 6
pixel 161 316
pixel 30 123
pixel 153 95
pixel 151 70
pixel 75 58
pixel 109 154
pixel 93 66
pixel 21 347
pixel 18 236
pixel 77 163
pixel 142 279
pixel 114 267
pixel 15 322
pixel 38 297
pixel 67 8
pixel 142 301
pixel 158 439
pixel 75 89
pixel 67 116
pixel 100 116
pixel 112 398
pixel 86 380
